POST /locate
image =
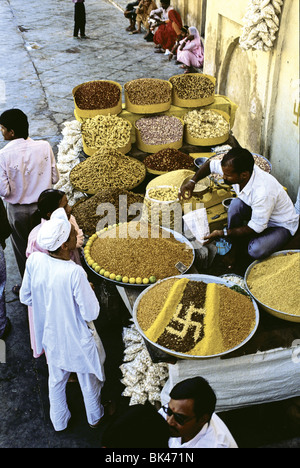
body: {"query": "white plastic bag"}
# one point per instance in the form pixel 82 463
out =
pixel 196 225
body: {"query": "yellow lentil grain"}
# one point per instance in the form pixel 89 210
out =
pixel 275 282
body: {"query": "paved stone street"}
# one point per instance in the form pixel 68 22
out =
pixel 41 63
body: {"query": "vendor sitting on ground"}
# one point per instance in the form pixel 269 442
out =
pixel 191 417
pixel 168 30
pixel 191 51
pixel 130 13
pixel 262 218
pixel 142 16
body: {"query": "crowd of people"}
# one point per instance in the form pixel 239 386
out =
pixel 163 26
pixel 62 306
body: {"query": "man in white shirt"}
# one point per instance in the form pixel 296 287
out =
pixel 262 216
pixel 64 306
pixel 27 168
pixel 191 417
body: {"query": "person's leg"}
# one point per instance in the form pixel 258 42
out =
pixel 269 241
pixel 59 411
pixel 19 217
pixel 76 20
pixel 238 213
pixel 131 16
pixel 3 318
pixel 82 19
pixel 261 245
pixel 91 390
pixel 138 29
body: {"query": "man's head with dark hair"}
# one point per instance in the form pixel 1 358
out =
pixel 192 404
pixel 237 166
pixel 240 158
pixel 165 3
pixel 198 389
pixel 14 124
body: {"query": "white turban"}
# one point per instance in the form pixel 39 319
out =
pixel 55 232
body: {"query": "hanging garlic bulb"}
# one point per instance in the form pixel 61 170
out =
pixel 260 24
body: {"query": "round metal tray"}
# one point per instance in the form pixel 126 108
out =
pixel 270 310
pixel 205 279
pixel 177 236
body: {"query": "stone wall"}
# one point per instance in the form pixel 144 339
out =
pixel 264 84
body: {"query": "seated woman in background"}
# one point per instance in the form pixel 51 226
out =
pixel 142 15
pixel 168 30
pixel 191 51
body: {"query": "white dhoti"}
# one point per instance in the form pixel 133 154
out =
pixel 91 390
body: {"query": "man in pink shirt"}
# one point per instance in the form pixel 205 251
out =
pixel 27 168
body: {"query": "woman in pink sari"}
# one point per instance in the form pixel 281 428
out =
pixel 191 51
pixel 168 30
pixel 49 201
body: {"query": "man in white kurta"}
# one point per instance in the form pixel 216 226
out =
pixel 64 303
pixel 262 217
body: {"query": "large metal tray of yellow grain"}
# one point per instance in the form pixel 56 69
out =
pixel 199 102
pixel 147 108
pixel 93 192
pixel 88 113
pixel 188 138
pixel 277 313
pixel 206 279
pixel 147 148
pixel 132 282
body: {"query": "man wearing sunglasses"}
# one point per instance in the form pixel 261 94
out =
pixel 191 418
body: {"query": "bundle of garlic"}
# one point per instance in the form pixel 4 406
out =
pixel 143 380
pixel 261 24
pixel 67 157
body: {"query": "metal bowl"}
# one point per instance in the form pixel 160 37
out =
pixel 200 161
pixel 277 313
pixel 178 236
pixel 226 202
pixel 205 279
